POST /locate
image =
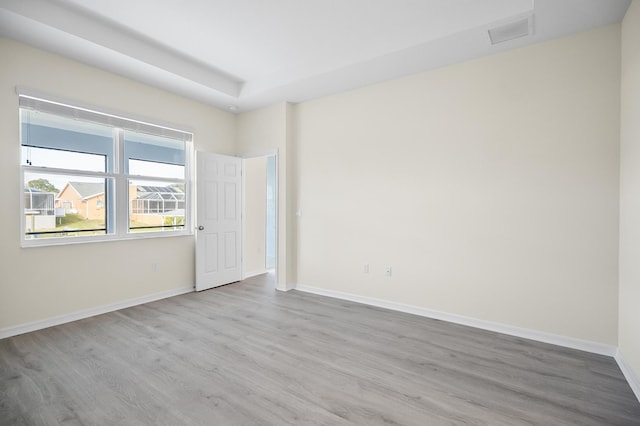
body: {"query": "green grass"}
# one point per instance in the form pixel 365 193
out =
pixel 75 221
pixel 72 223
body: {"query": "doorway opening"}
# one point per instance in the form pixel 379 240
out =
pixel 260 216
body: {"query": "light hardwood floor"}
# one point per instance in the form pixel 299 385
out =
pixel 244 354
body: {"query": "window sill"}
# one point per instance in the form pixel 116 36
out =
pixel 48 242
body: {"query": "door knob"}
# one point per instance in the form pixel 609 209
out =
pixel 200 228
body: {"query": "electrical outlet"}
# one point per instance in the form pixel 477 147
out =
pixel 154 267
pixel 365 268
pixel 387 271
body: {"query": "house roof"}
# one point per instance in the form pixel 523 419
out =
pixel 87 189
pixel 160 193
pixel 92 189
pixel 163 189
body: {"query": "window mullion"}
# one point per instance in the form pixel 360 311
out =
pixel 122 191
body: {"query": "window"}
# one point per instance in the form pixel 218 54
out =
pixel 91 176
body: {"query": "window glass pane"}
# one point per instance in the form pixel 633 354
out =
pixel 149 168
pixel 65 205
pixel 140 150
pixel 156 206
pixel 43 157
pixel 46 137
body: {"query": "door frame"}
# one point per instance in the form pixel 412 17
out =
pixel 258 154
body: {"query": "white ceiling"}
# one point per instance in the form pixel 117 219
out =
pixel 244 54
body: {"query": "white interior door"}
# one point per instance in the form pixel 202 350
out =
pixel 218 220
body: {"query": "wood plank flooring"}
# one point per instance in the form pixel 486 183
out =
pixel 244 354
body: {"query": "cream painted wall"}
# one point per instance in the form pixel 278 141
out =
pixel 629 320
pixel 491 188
pixel 255 224
pixel 33 283
pixel 266 131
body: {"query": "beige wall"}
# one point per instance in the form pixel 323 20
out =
pixel 255 224
pixel 266 131
pixel 33 285
pixel 629 335
pixel 490 187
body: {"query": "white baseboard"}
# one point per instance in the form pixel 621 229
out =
pixel 285 287
pixel 254 273
pixel 632 378
pixel 554 339
pixel 86 313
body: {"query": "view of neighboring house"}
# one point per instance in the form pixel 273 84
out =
pixel 83 198
pixel 152 205
pixel 39 209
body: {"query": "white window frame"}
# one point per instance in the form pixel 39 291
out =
pixel 121 180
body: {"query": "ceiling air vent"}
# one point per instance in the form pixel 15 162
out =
pixel 511 31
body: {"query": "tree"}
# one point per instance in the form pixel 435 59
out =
pixel 42 185
pixel 178 186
